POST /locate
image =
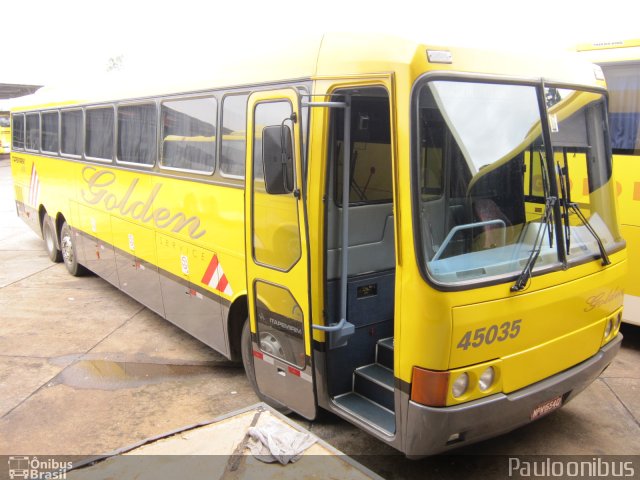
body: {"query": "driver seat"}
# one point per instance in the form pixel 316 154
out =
pixel 484 210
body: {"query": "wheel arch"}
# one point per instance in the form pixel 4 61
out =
pixel 41 213
pixel 59 222
pixel 235 321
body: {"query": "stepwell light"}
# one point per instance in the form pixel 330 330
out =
pixel 460 385
pixel 439 56
pixel 486 379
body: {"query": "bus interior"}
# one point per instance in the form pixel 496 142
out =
pixel 360 375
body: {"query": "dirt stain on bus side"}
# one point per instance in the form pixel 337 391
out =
pixel 109 375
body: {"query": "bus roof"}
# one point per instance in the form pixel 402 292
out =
pixel 612 51
pixel 609 45
pixel 330 55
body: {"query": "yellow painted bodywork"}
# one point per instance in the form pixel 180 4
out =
pixel 167 218
pixel 274 240
pixel 198 219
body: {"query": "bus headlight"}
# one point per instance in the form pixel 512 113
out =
pixel 618 320
pixel 460 385
pixel 486 379
pixel 608 328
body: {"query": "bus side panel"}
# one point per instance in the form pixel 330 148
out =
pixel 54 178
pixel 25 185
pixel 136 262
pixel 204 236
pixel 631 312
pixel 94 227
pixel 188 305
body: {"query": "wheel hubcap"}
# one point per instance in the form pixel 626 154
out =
pixel 271 345
pixel 67 249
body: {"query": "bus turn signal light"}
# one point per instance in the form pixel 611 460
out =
pixel 429 387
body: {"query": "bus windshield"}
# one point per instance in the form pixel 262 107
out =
pixel 486 199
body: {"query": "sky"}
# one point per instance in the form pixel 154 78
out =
pixel 54 42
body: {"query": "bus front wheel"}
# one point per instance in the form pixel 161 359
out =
pixel 247 361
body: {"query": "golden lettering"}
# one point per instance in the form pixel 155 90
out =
pixel 98 183
pixel 604 298
pixel 160 215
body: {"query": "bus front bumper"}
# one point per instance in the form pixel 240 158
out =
pixel 430 430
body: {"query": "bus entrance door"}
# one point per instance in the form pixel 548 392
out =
pixel 277 260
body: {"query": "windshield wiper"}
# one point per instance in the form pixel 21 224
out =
pixel 603 252
pixel 525 275
pixel 546 188
pixel 565 190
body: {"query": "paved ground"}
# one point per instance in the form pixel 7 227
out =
pixel 85 370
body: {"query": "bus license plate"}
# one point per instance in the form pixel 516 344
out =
pixel 546 407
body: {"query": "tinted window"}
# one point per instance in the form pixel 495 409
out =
pixel 32 141
pixel 137 134
pixel 189 134
pixel 99 133
pixel 234 137
pixel 623 82
pixel 17 137
pixel 50 132
pixel 71 132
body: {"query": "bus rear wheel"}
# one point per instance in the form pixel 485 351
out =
pixel 49 235
pixel 69 252
pixel 247 361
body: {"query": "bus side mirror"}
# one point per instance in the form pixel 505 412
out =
pixel 277 159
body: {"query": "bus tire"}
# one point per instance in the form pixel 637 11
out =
pixel 247 361
pixel 69 249
pixel 50 239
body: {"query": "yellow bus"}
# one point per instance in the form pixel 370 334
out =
pixel 377 227
pixel 620 61
pixel 5 132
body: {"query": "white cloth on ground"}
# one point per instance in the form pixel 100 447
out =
pixel 277 442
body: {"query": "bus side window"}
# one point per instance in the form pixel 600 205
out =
pixel 623 83
pixel 189 134
pixel 234 137
pixel 33 131
pixel 137 137
pixel 99 133
pixel 50 122
pixel 17 129
pixel 71 132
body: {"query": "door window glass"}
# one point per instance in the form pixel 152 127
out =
pixel 276 234
pixel 279 323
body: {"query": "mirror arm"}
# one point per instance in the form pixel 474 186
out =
pixel 293 118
